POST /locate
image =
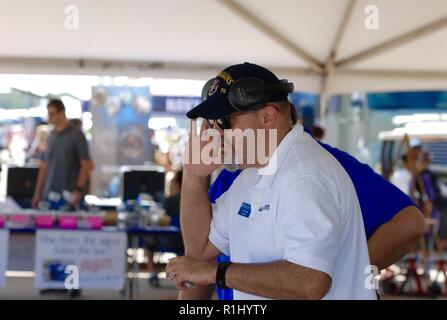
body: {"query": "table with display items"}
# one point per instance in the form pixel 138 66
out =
pixel 133 241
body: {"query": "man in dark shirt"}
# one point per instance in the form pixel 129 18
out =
pixel 64 171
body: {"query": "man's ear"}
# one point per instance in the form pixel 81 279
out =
pixel 269 115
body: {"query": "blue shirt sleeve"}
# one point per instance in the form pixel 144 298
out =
pixel 379 199
pixel 222 183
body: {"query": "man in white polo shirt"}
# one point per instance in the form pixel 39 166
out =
pixel 295 233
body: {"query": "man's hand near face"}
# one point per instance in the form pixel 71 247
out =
pixel 195 207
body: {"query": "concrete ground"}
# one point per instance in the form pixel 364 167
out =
pixel 22 287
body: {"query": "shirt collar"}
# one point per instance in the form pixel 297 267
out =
pixel 66 129
pixel 267 174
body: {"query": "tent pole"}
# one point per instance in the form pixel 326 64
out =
pixel 393 43
pixel 330 68
pixel 342 28
pixel 326 88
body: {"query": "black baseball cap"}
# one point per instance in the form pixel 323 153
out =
pixel 217 105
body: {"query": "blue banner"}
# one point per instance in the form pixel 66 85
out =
pixel 174 104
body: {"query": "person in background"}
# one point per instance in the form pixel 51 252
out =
pixel 430 182
pixel 77 123
pixel 410 180
pixel 172 202
pixel 402 177
pixel 64 170
pixel 439 201
pixel 417 190
pixel 432 186
pixel 38 147
pixel 318 133
pixel 430 191
pixel 175 243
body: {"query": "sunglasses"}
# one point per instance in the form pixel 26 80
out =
pixel 223 123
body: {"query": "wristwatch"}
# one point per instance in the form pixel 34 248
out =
pixel 220 274
pixel 79 189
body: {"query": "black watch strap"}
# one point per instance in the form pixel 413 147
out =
pixel 220 274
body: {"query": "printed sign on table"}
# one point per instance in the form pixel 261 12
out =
pixel 80 259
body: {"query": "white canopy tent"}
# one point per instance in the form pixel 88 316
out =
pixel 321 45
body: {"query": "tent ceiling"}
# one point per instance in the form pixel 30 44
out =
pixel 196 38
pixel 426 53
pixel 397 17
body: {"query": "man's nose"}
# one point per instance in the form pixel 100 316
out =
pixel 221 131
pixel 218 128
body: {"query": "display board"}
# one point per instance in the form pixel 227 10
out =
pixel 80 259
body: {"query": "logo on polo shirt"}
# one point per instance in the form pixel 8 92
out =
pixel 264 208
pixel 245 210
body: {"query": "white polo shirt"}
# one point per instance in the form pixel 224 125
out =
pixel 306 213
